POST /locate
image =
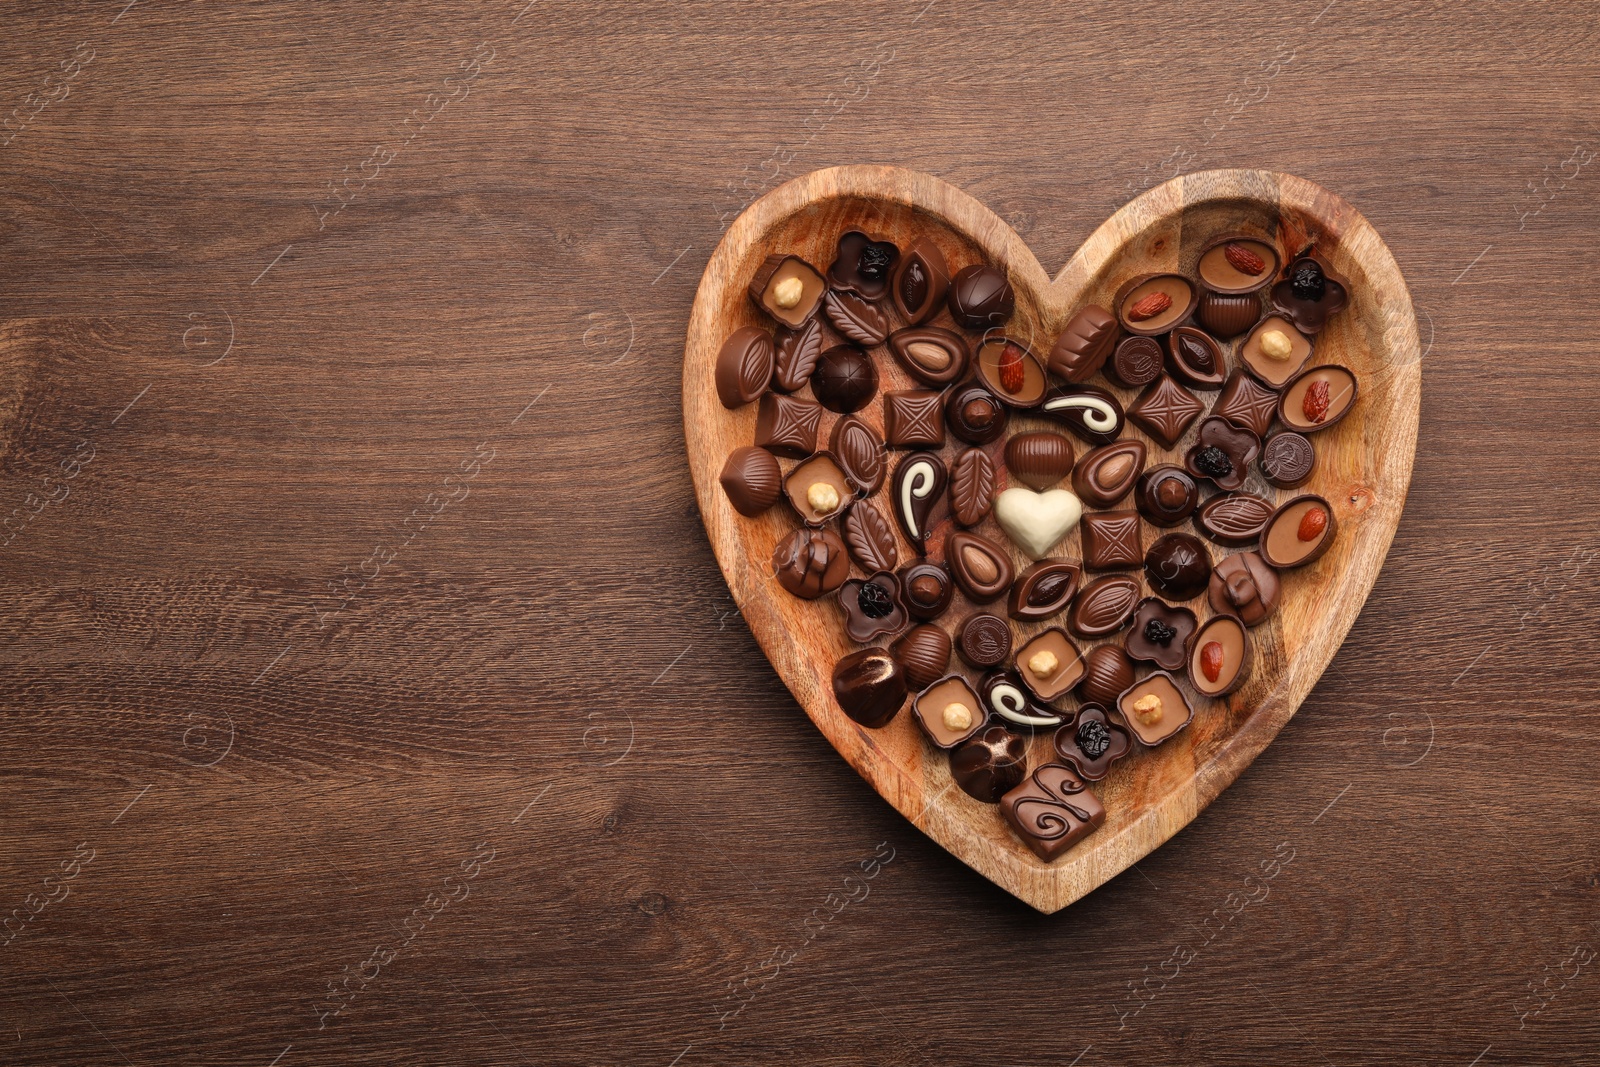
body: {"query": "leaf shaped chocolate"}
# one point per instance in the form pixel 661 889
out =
pixel 869 537
pixel 858 450
pixel 971 487
pixel 797 355
pixel 856 319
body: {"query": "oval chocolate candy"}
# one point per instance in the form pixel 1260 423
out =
pixel 1299 532
pixel 975 415
pixel 1195 358
pixel 744 366
pixel 868 537
pixel 858 450
pixel 980 567
pixel 1233 518
pixel 933 356
pixel 1039 459
pixel 920 281
pixel 1104 476
pixel 971 486
pixel 1043 590
pixel 1103 606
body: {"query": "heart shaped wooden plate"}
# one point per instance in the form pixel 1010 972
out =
pixel 1363 469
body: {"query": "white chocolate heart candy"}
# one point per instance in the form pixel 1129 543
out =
pixel 1037 521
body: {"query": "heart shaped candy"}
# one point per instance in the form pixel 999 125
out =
pixel 1037 521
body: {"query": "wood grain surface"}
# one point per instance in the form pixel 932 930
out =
pixel 328 759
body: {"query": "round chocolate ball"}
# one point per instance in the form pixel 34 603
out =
pixel 926 588
pixel 1178 566
pixel 845 379
pixel 1166 495
pixel 1107 671
pixel 870 686
pixel 980 297
pixel 975 415
pixel 990 765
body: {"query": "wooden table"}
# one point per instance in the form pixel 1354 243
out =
pixel 371 694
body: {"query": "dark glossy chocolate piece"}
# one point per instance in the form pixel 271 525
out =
pixel 926 588
pixel 1092 414
pixel 980 297
pixel 1233 518
pixel 810 563
pixel 975 415
pixel 1227 315
pixel 787 288
pixel 1219 658
pixel 818 490
pixel 1222 452
pixel 1008 700
pixel 1164 410
pixel 971 487
pixel 990 765
pixel 1085 344
pixel 1237 263
pixel 796 355
pixel 1167 495
pixel 752 479
pixel 1247 404
pixel 856 318
pixel 863 265
pixel 1154 303
pixel 1011 372
pixel 787 425
pixel 1137 362
pixel 1244 585
pixel 923 652
pixel 1050 665
pixel 1052 811
pixel 1178 566
pixel 1111 540
pixel 744 366
pixel 1155 708
pixel 918 483
pixel 1160 634
pixel 913 419
pixel 845 380
pixel 1318 398
pixel 1287 460
pixel 1043 590
pixel 868 537
pixel 920 281
pixel 948 711
pixel 1275 351
pixel 980 567
pixel 1102 607
pixel 1107 672
pixel 858 450
pixel 872 608
pixel 983 640
pixel 1038 459
pixel 932 355
pixel 1195 358
pixel 1310 292
pixel 1105 475
pixel 870 687
pixel 1299 532
pixel 1092 742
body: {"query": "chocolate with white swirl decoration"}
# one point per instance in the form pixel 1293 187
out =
pixel 1004 695
pixel 918 482
pixel 1093 414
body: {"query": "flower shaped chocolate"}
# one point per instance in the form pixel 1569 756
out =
pixel 1309 293
pixel 872 607
pixel 1092 742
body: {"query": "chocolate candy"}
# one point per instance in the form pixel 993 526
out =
pixel 1245 586
pixel 863 265
pixel 1275 351
pixel 1092 414
pixel 1155 303
pixel 1103 606
pixel 1287 460
pixel 1318 398
pixel 872 607
pixel 1160 634
pixel 918 482
pixel 845 380
pixel 1195 358
pixel 980 297
pixel 912 419
pixel 1237 264
pixel 744 366
pixel 1165 410
pixel 1219 659
pixel 923 652
pixel 1228 315
pixel 983 640
pixel 787 288
pixel 933 356
pixel 1050 664
pixel 1105 475
pixel 818 489
pixel 1136 362
pixel 971 487
pixel 990 764
pixel 1038 459
pixel 810 563
pixel 948 711
pixel 868 537
pixel 1166 496
pixel 797 352
pixel 1178 566
pixel 1309 292
pixel 1085 344
pixel 1052 811
pixel 787 425
pixel 858 450
pixel 1092 742
pixel 856 318
pixel 1036 522
pixel 1107 671
pixel 1247 404
pixel 752 479
pixel 1299 532
pixel 980 567
pixel 1043 590
pixel 1222 453
pixel 1111 540
pixel 1011 372
pixel 920 281
pixel 1233 518
pixel 1003 696
pixel 870 687
pixel 926 588
pixel 975 415
pixel 1155 709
